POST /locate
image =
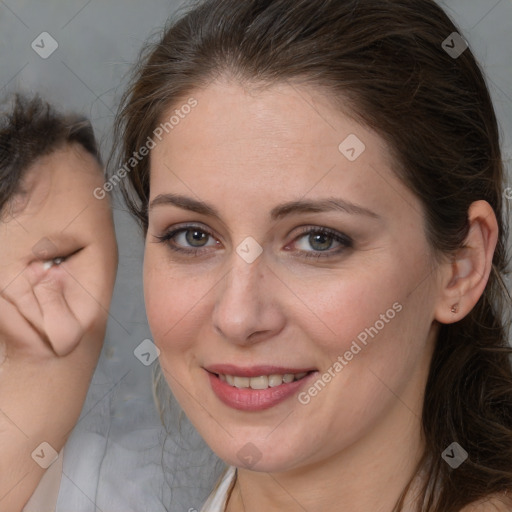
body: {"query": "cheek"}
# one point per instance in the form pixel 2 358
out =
pixel 174 303
pixel 381 338
pixel 345 307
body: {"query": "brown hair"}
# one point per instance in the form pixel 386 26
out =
pixel 30 128
pixel 385 60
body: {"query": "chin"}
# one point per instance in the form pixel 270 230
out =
pixel 258 457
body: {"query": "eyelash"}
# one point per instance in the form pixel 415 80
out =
pixel 65 257
pixel 168 237
pixel 345 241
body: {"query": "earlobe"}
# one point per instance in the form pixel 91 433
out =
pixel 468 271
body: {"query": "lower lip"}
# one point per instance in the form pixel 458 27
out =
pixel 247 399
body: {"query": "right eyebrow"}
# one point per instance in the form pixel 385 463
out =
pixel 186 203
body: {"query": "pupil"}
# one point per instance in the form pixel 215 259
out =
pixel 196 238
pixel 320 241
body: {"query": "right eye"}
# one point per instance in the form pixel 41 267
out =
pixel 188 239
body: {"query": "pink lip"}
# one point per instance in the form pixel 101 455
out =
pixel 247 399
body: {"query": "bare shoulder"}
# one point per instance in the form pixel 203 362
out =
pixel 495 503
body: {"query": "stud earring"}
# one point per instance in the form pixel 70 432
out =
pixel 455 308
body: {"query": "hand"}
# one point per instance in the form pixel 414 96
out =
pixel 47 304
pixel 58 259
pixel 35 315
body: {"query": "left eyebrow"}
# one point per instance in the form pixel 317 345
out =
pixel 319 206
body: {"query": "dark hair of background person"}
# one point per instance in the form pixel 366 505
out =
pixel 382 62
pixel 31 128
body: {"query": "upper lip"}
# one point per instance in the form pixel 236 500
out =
pixel 255 371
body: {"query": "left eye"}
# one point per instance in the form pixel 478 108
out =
pixel 322 241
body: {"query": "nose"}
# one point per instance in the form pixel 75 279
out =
pixel 247 307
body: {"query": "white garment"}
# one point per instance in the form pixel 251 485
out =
pixel 217 500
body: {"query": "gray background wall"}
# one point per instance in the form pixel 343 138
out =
pixel 119 435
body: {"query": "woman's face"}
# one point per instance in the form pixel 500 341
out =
pixel 283 254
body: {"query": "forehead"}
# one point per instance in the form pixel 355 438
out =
pixel 282 142
pixel 229 113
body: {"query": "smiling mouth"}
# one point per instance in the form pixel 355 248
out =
pixel 257 388
pixel 262 381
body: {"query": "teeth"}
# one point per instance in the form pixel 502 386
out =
pixel 275 380
pixel 261 382
pixel 242 382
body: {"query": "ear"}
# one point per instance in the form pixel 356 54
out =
pixel 465 276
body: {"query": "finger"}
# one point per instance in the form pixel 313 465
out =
pixel 18 333
pixel 38 295
pixel 62 328
pixel 21 310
